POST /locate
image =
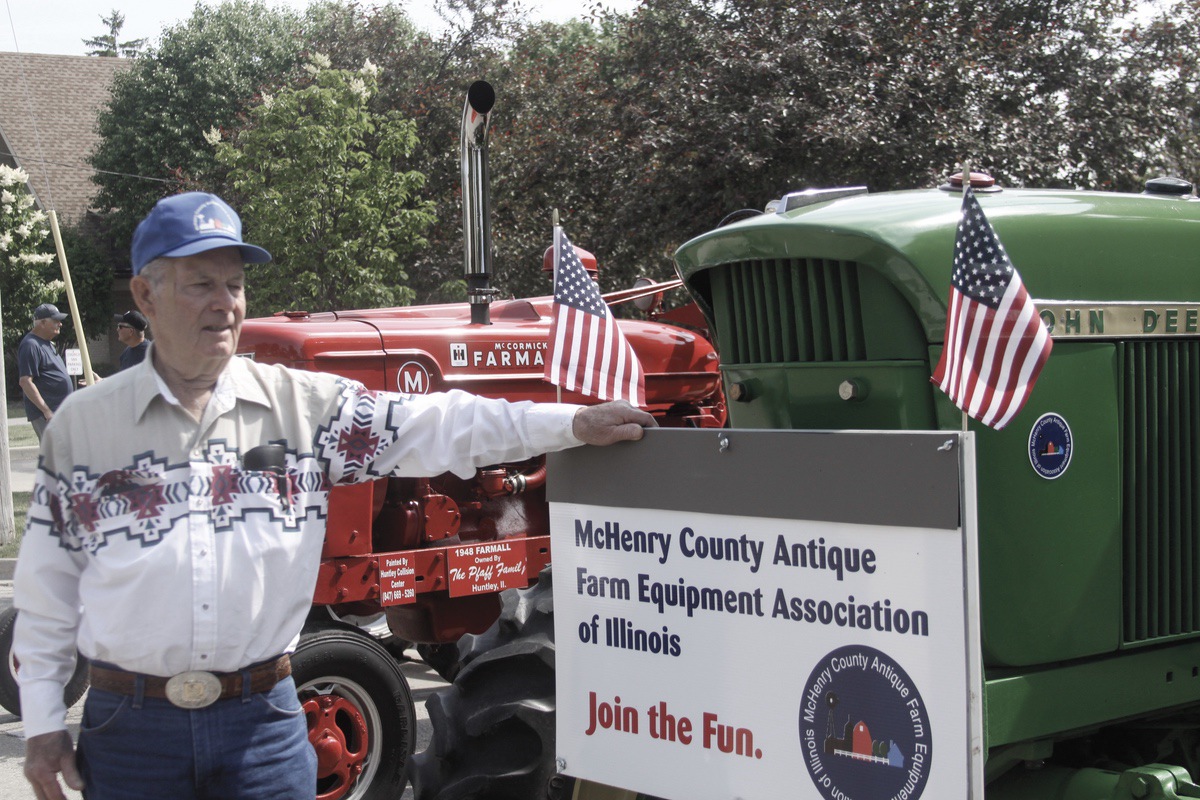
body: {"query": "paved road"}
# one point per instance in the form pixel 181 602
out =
pixel 422 681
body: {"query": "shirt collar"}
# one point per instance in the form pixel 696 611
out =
pixel 235 383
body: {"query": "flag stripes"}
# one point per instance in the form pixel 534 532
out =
pixel 995 343
pixel 588 352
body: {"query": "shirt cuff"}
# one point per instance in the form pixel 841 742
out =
pixel 42 708
pixel 549 426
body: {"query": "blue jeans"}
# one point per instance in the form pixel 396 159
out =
pixel 252 747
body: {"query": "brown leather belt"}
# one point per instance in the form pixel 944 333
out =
pixel 192 689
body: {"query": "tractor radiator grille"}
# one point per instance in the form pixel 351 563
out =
pixel 788 310
pixel 1160 422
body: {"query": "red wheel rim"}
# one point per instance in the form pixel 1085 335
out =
pixel 340 734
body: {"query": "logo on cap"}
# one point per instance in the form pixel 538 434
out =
pixel 214 217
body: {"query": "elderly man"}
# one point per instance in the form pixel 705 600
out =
pixel 43 375
pixel 131 331
pixel 154 549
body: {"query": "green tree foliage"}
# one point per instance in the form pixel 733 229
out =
pixel 205 72
pixel 28 270
pixel 425 78
pixel 325 184
pixel 91 278
pixel 109 45
pixel 646 129
pixel 651 130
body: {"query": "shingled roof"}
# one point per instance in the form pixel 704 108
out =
pixel 48 108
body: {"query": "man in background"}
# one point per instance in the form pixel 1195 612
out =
pixel 131 331
pixel 43 375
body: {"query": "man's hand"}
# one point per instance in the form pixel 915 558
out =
pixel 610 422
pixel 31 391
pixel 46 755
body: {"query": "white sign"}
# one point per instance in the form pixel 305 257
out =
pixel 706 656
pixel 74 361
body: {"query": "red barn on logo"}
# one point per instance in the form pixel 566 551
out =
pixel 862 744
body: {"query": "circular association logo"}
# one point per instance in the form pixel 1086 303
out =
pixel 864 729
pixel 1050 446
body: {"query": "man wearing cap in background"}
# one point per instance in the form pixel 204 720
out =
pixel 43 375
pixel 131 330
pixel 194 571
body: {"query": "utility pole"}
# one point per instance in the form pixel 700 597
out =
pixel 8 528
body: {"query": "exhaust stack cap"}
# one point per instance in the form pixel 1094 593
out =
pixel 981 183
pixel 477 226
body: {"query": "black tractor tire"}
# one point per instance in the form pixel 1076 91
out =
pixel 360 713
pixel 442 659
pixel 493 728
pixel 10 692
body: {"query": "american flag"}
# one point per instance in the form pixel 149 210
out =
pixel 588 352
pixel 995 342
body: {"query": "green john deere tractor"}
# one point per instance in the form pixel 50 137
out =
pixel 829 313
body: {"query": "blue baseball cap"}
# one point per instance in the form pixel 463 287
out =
pixel 187 224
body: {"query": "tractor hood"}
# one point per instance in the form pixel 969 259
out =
pixel 435 348
pixel 1055 239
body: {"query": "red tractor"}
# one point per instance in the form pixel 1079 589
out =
pixel 430 555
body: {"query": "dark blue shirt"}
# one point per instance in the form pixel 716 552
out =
pixel 37 358
pixel 134 355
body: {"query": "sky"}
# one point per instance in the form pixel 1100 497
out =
pixel 60 26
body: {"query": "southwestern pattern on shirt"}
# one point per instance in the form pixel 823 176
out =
pixel 144 505
pixel 146 500
pixel 352 441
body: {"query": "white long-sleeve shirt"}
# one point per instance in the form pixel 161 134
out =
pixel 148 545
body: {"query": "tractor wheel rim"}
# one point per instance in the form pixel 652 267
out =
pixel 344 727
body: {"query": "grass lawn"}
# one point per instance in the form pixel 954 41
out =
pixel 20 506
pixel 18 436
pixel 21 436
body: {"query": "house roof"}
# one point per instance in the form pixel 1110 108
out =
pixel 48 108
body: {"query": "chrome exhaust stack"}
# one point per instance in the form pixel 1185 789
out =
pixel 477 226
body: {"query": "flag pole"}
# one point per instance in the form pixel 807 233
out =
pixel 554 276
pixel 966 172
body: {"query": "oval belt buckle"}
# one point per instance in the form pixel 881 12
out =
pixel 195 689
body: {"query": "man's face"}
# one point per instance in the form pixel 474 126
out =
pixel 197 311
pixel 126 334
pixel 47 328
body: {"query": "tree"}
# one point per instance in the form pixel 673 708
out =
pixel 425 78
pixel 27 266
pixel 204 73
pixel 109 45
pixel 324 183
pixel 654 128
